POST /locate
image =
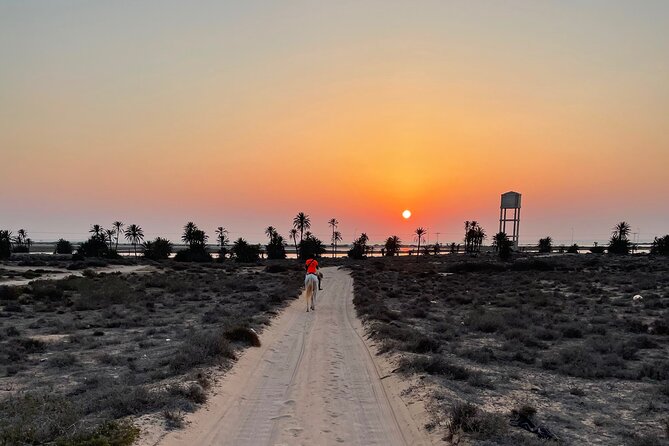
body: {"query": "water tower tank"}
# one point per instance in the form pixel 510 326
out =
pixel 511 200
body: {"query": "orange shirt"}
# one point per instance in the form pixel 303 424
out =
pixel 312 264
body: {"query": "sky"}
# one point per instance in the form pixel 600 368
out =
pixel 242 114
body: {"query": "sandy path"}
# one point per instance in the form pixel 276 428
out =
pixel 313 382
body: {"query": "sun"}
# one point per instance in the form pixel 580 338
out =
pixel 406 214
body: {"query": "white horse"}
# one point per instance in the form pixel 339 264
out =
pixel 310 289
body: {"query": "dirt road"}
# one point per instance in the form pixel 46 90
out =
pixel 313 382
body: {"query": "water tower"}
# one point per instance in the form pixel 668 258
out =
pixel 510 201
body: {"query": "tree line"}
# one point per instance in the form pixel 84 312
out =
pixel 104 243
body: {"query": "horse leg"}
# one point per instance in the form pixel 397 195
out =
pixel 313 300
pixel 306 294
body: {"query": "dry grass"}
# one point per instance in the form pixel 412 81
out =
pixel 561 332
pixel 108 346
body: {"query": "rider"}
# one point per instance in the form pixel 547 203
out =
pixel 311 266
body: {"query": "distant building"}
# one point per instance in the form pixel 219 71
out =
pixel 510 201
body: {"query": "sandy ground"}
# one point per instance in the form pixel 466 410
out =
pixel 313 382
pixel 61 273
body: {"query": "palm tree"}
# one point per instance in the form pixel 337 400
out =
pixel 502 245
pixel 620 243
pixel 480 235
pixel 545 244
pixel 420 232
pixel 301 222
pixel 392 246
pixel 189 232
pixel 134 234
pixel 110 236
pixel 21 236
pixel 336 237
pixel 271 232
pixel 29 243
pixel 118 225
pixel 96 230
pixel 293 235
pixel 333 224
pixel 222 236
pixel 621 231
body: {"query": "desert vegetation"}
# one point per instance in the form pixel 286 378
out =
pixel 474 236
pixel 575 346
pixel 276 248
pixel 83 357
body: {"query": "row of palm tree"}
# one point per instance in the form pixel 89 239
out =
pixel 134 234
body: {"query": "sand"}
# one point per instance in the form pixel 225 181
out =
pixel 61 273
pixel 314 381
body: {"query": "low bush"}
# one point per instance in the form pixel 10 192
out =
pixel 244 335
pixel 658 370
pixel 434 365
pixel 63 247
pixel 110 433
pixel 201 348
pixel 62 360
pixel 660 246
pixel 244 252
pixel 469 419
pixel 35 418
pixel 158 249
pixel 487 322
pixel 195 254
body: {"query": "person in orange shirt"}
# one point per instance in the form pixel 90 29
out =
pixel 311 266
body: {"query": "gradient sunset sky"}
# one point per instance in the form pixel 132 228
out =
pixel 242 114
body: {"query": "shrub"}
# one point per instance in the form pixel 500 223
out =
pixel 195 254
pixel 618 246
pixel 503 245
pixel 243 334
pixel 660 326
pixel 8 293
pixel 596 249
pixel 311 247
pixel 486 322
pixel 244 252
pixel 5 244
pixel 96 246
pixel 434 365
pixel 111 433
pixel 572 331
pixel 35 418
pixel 44 290
pixel 358 249
pixel 546 245
pixel 583 363
pixel 193 392
pixel 159 249
pixel 392 246
pixel 573 249
pixel 660 246
pixel 276 248
pixel 467 418
pixel 200 348
pixel 63 247
pixel 658 370
pixel 473 267
pixel 62 360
